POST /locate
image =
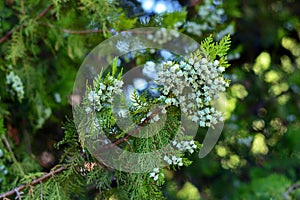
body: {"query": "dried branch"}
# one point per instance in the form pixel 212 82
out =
pixel 9 33
pixel 134 131
pixel 44 12
pixel 32 183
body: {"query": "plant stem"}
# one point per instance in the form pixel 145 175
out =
pixel 9 33
pixel 134 131
pixel 4 139
pixel 32 183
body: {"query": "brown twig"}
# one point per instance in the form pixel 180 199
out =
pixel 44 12
pixel 32 183
pixel 9 33
pixel 134 131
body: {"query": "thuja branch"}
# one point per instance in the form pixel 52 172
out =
pixel 38 17
pixel 135 130
pixel 32 183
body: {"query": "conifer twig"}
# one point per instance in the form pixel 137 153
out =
pixel 134 131
pixel 32 183
pixel 9 33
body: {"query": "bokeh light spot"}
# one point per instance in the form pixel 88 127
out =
pixel 262 63
pixel 259 145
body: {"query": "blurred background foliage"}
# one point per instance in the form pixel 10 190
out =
pixel 258 155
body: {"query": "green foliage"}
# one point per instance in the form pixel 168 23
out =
pixel 171 19
pixel 213 49
pixel 17 49
pixel 124 23
pixel 272 186
pixel 257 156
